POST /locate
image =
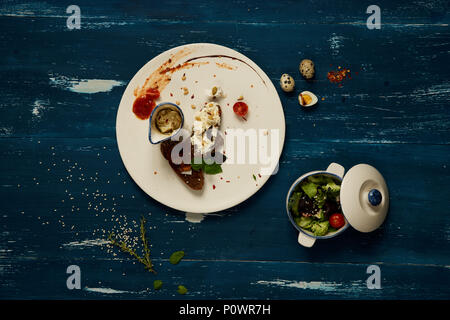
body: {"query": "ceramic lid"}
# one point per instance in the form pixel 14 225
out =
pixel 364 198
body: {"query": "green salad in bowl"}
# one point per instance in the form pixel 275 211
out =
pixel 315 207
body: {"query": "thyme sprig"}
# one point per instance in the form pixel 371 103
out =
pixel 146 261
pixel 145 242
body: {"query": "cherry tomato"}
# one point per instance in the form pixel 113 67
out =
pixel 337 220
pixel 240 108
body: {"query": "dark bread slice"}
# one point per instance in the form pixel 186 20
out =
pixel 195 180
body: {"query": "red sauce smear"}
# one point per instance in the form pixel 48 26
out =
pixel 144 104
pixel 178 67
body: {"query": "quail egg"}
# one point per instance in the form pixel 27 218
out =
pixel 307 69
pixel 307 99
pixel 287 83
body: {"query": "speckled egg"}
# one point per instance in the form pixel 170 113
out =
pixel 307 69
pixel 287 83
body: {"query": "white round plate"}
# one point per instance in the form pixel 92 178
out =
pixel 237 77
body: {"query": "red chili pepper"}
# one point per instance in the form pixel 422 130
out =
pixel 339 75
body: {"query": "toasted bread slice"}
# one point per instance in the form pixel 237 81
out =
pixel 195 179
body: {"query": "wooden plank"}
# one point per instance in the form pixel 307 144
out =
pixel 87 193
pixel 213 279
pixel 388 101
pixel 266 12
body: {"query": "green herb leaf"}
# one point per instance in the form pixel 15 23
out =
pixel 157 284
pixel 197 164
pixel 305 222
pixel 318 179
pixel 214 168
pixel 176 257
pixel 254 177
pixel 332 188
pixel 182 290
pixel 320 198
pixel 293 203
pixel 331 229
pixel 310 189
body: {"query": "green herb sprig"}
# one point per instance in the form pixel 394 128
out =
pixel 146 261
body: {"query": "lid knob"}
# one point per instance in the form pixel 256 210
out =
pixel 364 198
pixel 375 197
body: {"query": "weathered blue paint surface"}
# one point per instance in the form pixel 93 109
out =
pixel 63 186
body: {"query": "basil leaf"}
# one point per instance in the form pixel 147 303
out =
pixel 176 257
pixel 212 168
pixel 157 284
pixel 197 167
pixel 197 164
pixel 182 290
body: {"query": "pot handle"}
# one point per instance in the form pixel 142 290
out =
pixel 305 240
pixel 337 169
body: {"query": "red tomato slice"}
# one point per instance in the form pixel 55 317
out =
pixel 337 220
pixel 240 108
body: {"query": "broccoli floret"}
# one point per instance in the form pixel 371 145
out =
pixel 320 228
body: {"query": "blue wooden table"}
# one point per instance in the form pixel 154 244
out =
pixel 63 186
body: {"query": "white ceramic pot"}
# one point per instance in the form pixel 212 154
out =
pixel 364 199
pixel 154 135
